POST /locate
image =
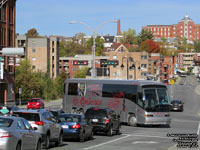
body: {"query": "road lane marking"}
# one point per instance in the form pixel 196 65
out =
pixel 144 142
pixel 91 147
pixel 198 129
pixel 190 88
pixel 150 136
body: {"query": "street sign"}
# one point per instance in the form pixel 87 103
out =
pixel 1 70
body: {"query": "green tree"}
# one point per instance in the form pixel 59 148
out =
pixel 59 83
pixel 79 37
pixel 99 46
pixel 197 46
pixel 129 37
pixel 81 72
pixel 32 33
pixel 144 35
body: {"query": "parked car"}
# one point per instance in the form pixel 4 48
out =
pixel 46 124
pixel 16 134
pixel 176 105
pixel 56 112
pixel 104 119
pixel 35 103
pixel 75 126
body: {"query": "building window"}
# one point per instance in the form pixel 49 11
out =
pixel 33 50
pixel 33 67
pixel 33 59
pixel 143 57
pixel 114 74
pixel 73 69
pixel 114 57
pixel 143 66
pixel 143 73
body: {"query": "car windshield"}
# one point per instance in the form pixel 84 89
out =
pixel 175 102
pixel 28 116
pixel 34 100
pixel 5 122
pixel 96 112
pixel 156 99
pixel 70 118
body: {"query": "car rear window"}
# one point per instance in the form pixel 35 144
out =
pixel 176 102
pixel 34 100
pixel 70 118
pixel 96 112
pixel 5 122
pixel 28 116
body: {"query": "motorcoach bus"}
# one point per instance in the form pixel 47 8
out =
pixel 136 101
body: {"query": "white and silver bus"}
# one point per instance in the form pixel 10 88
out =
pixel 136 101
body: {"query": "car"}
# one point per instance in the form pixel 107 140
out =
pixel 47 125
pixel 75 126
pixel 176 105
pixel 16 134
pixel 104 120
pixel 35 103
pixel 56 112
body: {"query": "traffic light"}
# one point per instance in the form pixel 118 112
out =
pixel 80 62
pixel 109 62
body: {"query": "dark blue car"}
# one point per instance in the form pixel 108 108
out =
pixel 75 126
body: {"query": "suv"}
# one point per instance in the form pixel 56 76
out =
pixel 47 125
pixel 104 119
pixel 35 103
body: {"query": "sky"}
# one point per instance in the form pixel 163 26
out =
pixel 52 17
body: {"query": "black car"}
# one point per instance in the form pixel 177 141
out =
pixel 75 126
pixel 104 120
pixel 176 105
pixel 56 112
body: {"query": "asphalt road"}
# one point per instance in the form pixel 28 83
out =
pixel 152 138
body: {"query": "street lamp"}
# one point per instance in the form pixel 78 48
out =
pixel 94 31
pixel 134 66
pixel 130 59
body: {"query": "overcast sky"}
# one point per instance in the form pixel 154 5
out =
pixel 52 17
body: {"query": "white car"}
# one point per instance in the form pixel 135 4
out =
pixel 17 134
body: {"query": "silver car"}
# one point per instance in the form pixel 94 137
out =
pixel 17 134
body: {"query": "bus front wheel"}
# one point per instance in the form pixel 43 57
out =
pixel 132 121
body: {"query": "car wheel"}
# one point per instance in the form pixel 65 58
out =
pixel 132 121
pixel 18 147
pixel 39 145
pixel 47 141
pixel 91 135
pixel 119 131
pixel 60 140
pixel 110 131
pixel 82 137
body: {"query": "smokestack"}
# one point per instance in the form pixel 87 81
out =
pixel 118 28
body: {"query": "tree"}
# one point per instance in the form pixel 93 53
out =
pixel 59 83
pixel 129 37
pixel 32 33
pixel 81 72
pixel 150 46
pixel 99 46
pixel 79 37
pixel 197 46
pixel 144 35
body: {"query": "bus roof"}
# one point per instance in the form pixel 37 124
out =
pixel 112 81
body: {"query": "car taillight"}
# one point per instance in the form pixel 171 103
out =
pixel 107 121
pixel 76 126
pixel 5 135
pixel 39 123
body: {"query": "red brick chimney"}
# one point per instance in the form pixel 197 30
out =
pixel 118 27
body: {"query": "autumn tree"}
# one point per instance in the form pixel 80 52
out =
pixel 99 46
pixel 197 46
pixel 81 72
pixel 150 46
pixel 32 33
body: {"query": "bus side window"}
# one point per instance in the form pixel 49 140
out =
pixel 140 100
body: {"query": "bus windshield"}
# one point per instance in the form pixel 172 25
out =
pixel 156 100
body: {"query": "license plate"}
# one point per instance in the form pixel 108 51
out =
pixel 65 126
pixel 94 120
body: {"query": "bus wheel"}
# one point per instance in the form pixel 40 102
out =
pixel 132 121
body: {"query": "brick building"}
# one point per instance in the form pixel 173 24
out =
pixel 185 28
pixel 7 40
